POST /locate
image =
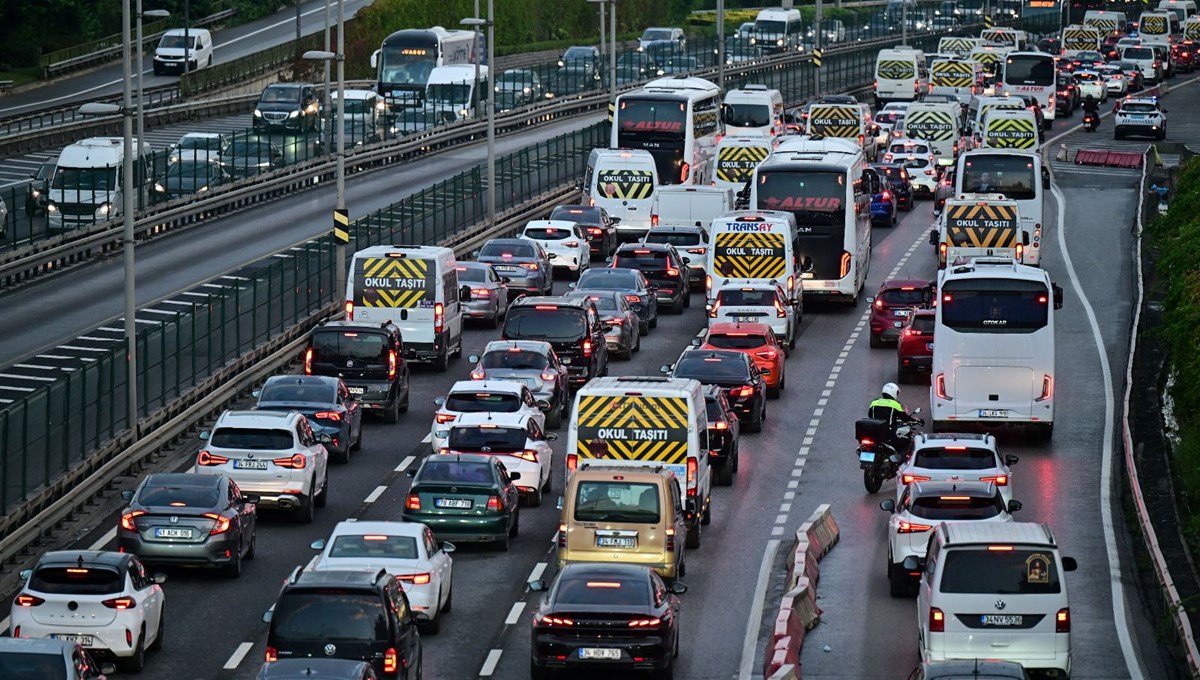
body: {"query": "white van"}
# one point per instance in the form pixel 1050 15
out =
pixel 936 123
pixel 900 75
pixel 416 288
pixel 1109 23
pixel 179 46
pixel 1012 38
pixel 753 110
pixel 1191 28
pixel 778 30
pixel 1156 28
pixel 1184 9
pixel 1005 128
pixel 686 205
pixel 623 182
pixel 994 590
pixel 955 77
pixel 736 159
pixel 979 107
pixel 88 182
pixel 753 246
pixel 451 88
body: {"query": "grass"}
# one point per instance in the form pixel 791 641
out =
pixel 21 76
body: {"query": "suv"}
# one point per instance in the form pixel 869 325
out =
pixel 287 106
pixel 663 266
pixel 367 608
pixel 914 347
pixel 369 358
pixel 893 304
pixel 571 326
pixel 273 455
pixel 1140 116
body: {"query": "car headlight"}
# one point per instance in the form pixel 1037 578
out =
pixel 265 164
pixel 464 113
pixel 51 209
pixel 257 113
pixel 294 114
pixel 160 188
pixel 36 193
pixel 526 90
pixel 104 210
pixel 779 42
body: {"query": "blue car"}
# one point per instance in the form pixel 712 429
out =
pixel 883 208
pixel 901 187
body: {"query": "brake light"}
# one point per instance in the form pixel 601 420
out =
pixel 722 425
pixel 294 462
pixel 1020 251
pixel 780 312
pixel 572 461
pixel 349 310
pixel 1047 388
pixel 550 621
pixel 222 523
pixel 308 357
pixel 486 292
pixel 616 322
pixel 671 271
pixel 390 660
pixel 939 386
pixel 887 195
pixel 712 313
pixel 493 504
pixel 594 231
pixel 120 603
pixel 768 354
pixel 741 391
pixel 911 331
pixel 670 547
pixel 697 251
pixel 929 171
pixel 439 318
pixel 127 522
pixel 29 601
pixel 531 266
pixel 443 418
pixel 862 140
pixel 272 654
pixel 206 458
pixel 911 528
pixel 866 442
pixel 1062 621
pixel 587 347
pixel 328 415
pixel 562 534
pixel 684 171
pixel 909 479
pixel 653 220
pixel 998 480
pixel 942 254
pixel 887 158
pixel 707 284
pixel 937 620
pixel 692 466
pixel 413 502
pixel 528 454
pixel 645 623
pixel 632 298
pixel 416 579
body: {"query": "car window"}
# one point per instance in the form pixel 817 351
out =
pixel 738 297
pixel 251 439
pixel 472 274
pixel 487 438
pixel 40 666
pixel 1138 108
pixel 704 367
pixel 545 322
pixel 640 258
pixel 483 402
pixel 507 250
pixel 514 359
pixel 956 507
pixel 610 591
pixel 549 233
pixel 335 347
pixel 733 340
pixel 600 280
pixel 328 616
pixel 178 495
pixel 1014 571
pixel 902 297
pixel 456 471
pixel 89 580
pixel 292 391
pixel 674 238
pixel 605 501
pixel 374 545
pixel 954 458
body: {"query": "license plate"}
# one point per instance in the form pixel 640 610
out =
pixel 456 503
pixel 929 346
pixel 508 269
pixel 901 312
pixel 85 640
pixel 356 390
pixel 167 532
pixel 866 456
pixel 594 653
pixel 746 318
pixel 249 465
pixel 565 360
pixel 616 542
pixel 993 413
pixel 999 620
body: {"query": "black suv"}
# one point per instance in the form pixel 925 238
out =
pixel 287 106
pixel 361 615
pixel 368 358
pixel 666 270
pixel 573 328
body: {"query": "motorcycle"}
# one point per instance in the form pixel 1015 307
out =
pixel 1091 121
pixel 877 459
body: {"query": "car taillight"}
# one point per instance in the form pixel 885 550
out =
pixel 308 357
pixel 942 251
pixel 349 310
pixel 443 418
pixel 768 354
pixel 671 271
pixel 937 620
pixel 692 467
pixel 439 317
pixel 911 528
pixel 632 298
pixel 616 321
pixel 697 251
pixel 887 195
pixel 707 284
pixel 1047 388
pixel 572 461
pixel 939 386
pixel 562 535
pixel 587 347
pixel 684 171
pixel 493 503
pixel 413 502
pixel 531 266
pixel 1062 621
pixel 528 454
pixel 28 601
pixel 595 232
pixel 911 331
pixel 741 391
pixel 416 579
pixel 572 244
pixel 206 458
pixel 328 415
pixel 294 462
pixel 878 303
pixel 222 523
pixel 653 220
pixel 478 374
pixel 645 623
pixel 120 603
pixel 780 312
pixel 1020 251
pixel 712 313
pixel 929 171
pixel 484 292
pixel 272 654
pixel 998 480
pixel 722 425
pixel 670 547
pixel 887 158
pixel 909 479
pixel 551 621
pixel 127 522
pixel 390 661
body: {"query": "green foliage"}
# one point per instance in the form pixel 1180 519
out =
pixel 1185 462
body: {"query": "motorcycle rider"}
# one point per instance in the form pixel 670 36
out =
pixel 888 407
pixel 1091 106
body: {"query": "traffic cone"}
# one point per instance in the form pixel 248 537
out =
pixel 1157 158
pixel 1061 156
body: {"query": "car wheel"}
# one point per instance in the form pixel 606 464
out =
pixel 876 341
pixel 404 401
pixel 253 543
pixel 687 296
pixel 494 322
pixel 357 444
pixel 899 582
pixel 693 537
pixel 677 306
pixel 442 361
pixel 516 527
pixel 902 376
pixel 554 419
pixel 773 392
pixel 323 498
pixel 342 457
pixel 637 343
pixel 755 425
pixel 449 603
pixel 392 413
pixel 306 513
pixel 137 662
pixel 233 568
pixel 433 626
pixel 534 498
pixel 654 320
pixel 735 456
pixel 643 329
pixel 538 673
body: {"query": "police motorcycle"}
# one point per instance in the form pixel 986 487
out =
pixel 877 458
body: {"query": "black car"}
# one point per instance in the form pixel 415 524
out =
pixel 357 615
pixel 605 616
pixel 991 669
pixel 634 284
pixel 35 192
pixel 663 266
pixel 583 57
pixel 287 106
pixel 321 669
pixel 1067 98
pixel 724 427
pixel 369 358
pixel 734 373
pixel 247 157
pixel 572 79
pixel 601 229
pixel 898 181
pixel 571 326
pixel 185 178
pixel 47 658
pixel 327 403
pixel 692 245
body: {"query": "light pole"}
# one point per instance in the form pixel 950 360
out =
pixel 141 105
pixel 721 44
pixel 474 23
pixel 328 132
pixel 491 109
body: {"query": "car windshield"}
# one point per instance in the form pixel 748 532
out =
pixel 472 274
pixel 954 458
pixel 506 250
pixel 288 95
pixel 485 438
pixel 656 34
pixel 576 214
pixel 483 402
pixel 736 340
pixel 1008 571
pixel 328 616
pixel 251 439
pixel 553 323
pixel 903 297
pixel 85 179
pixel 189 169
pixel 895 173
pixel 675 238
pixel 1138 108
pixel 548 233
pixel 26 664
pixel 579 53
pixel 333 347
pixel 956 508
pixel 305 392
pixel 746 298
pixel 606 590
pixel 515 359
pixel 374 545
pixel 599 280
pixel 915 162
pixel 77 580
pixel 909 147
pixel 455 471
pixel 206 143
pixel 602 501
pixel 706 367
pixel 179 496
pixel 177 42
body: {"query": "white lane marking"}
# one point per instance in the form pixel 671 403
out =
pixel 808 441
pixel 538 570
pixel 826 393
pixel 428 438
pixel 374 496
pixel 514 614
pixel 810 432
pixel 490 663
pixel 1110 542
pixel 796 472
pixel 777 530
pixel 793 483
pixel 405 463
pixel 750 641
pixel 103 540
pixel 820 411
pixel 790 495
pixel 785 507
pixel 830 383
pixel 803 451
pixel 240 653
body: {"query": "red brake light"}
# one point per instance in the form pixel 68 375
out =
pixel 741 391
pixel 722 425
pixel 206 458
pixel 887 195
pixel 547 376
pixel 29 601
pixel 328 415
pixel 670 547
pixel 572 244
pixel 671 271
pixel 878 303
pixel 416 579
pixel 937 620
pixel 308 357
pixel 439 317
pixel 478 374
pixel 349 310
pixel 528 454
pixel 413 502
pixel 493 503
pixel 443 418
pixel 572 461
pixel 1062 621
pixel 222 523
pixel 272 654
pixel 653 220
pixel 562 535
pixel 632 298
pixel 531 266
pixel 295 462
pixel 998 480
pixel 1020 251
pixel 939 386
pixel 392 364
pixel 1047 388
pixel 127 522
pixel 587 347
pixel 551 621
pixel 780 312
pixel 691 476
pixel 120 603
pixel 645 623
pixel 767 354
pixel 390 660
pixel 912 528
pixel 909 479
pixel 684 171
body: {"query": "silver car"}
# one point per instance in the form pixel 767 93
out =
pixel 46 658
pixel 623 339
pixel 489 292
pixel 532 362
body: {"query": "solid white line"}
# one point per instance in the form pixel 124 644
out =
pixel 538 570
pixel 240 653
pixel 514 614
pixel 405 463
pixel 103 540
pixel 374 496
pixel 749 642
pixel 490 663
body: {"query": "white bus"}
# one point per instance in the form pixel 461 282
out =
pixel 1032 73
pixel 678 120
pixel 406 58
pixel 1016 174
pixel 821 183
pixel 993 362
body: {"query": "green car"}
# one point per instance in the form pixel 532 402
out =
pixel 465 497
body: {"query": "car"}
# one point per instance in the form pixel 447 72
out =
pixel 288 107
pixel 197 147
pixel 662 264
pixel 367 609
pixel 1114 80
pixel 601 229
pixel 1093 84
pixel 576 622
pixel 565 242
pixel 174 53
pixel 246 157
pixel 516 438
pixel 415 120
pixel 586 57
pixel 657 36
pixel 104 600
pixel 907 146
pixel 680 64
pixel 957 456
pixel 60 659
pixel 175 518
pixel 691 240
pixel 755 340
pixel 922 173
pixel 321 669
pixel 368 358
pixel 945 189
pixel 887 121
pixel 899 181
pixel 744 30
pixel 883 207
pixel 469 497
pixel 571 326
pixel 274 455
pixel 892 305
pixel 325 401
pixel 992 669
pixel 409 554
pixel 481 396
pixel 1165 63
pixel 1067 95
pixel 944 24
pixel 525 263
pixel 1184 55
pixel 1140 116
pixel 518 87
pixel 1108 46
pixel 756 301
pixel 489 292
pixel 186 178
pixel 623 337
pixel 638 291
pixel 914 346
pixel 735 373
pixel 724 431
pixel 1133 73
pixel 532 363
pixel 1087 59
pixel 35 192
pixel 924 505
pixel 571 80
pixel 635 66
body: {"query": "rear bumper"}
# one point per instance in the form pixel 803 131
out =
pixel 374 395
pixel 948 648
pixel 212 553
pixel 424 352
pixel 639 654
pixel 664 565
pixel 916 363
pixel 463 529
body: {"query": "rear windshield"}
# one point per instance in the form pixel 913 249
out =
pixel 248 438
pixel 520 360
pixel 674 238
pixel 641 259
pixel 608 591
pixel 472 274
pixel 179 496
pixel 1002 570
pixel 605 303
pixel 951 507
pixel 713 407
pixel 559 323
pixel 616 502
pixel 736 341
pixel 746 298
pixel 961 458
pixel 480 438
pixel 915 162
pixel 335 347
pixel 457 471
pixel 1138 53
pixel 909 148
pixel 1139 108
pixel 310 392
pixel 483 402
pixel 605 281
pixel 903 298
pixel 923 323
pixel 574 214
pixel 77 580
pixel 506 250
pixel 31 665
pixel 329 616
pixel 373 545
pixel 548 233
pixel 705 369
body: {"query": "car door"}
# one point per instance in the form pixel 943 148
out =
pixel 316 451
pixel 407 637
pixel 246 512
pixel 440 566
pixel 149 594
pixel 508 489
pixel 536 440
pixel 789 310
pixel 353 411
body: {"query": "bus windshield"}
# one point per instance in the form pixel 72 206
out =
pixel 658 126
pixel 1011 175
pixel 407 64
pixel 1029 70
pixel 995 305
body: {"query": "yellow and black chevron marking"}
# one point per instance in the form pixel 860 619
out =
pixel 626 184
pixel 392 282
pixel 750 255
pixel 1011 134
pixel 646 429
pixel 952 74
pixel 1153 25
pixel 895 69
pixel 989 22
pixel 985 57
pixel 737 163
pixel 341 225
pixel 817 56
pixel 932 126
pixel 1081 39
pixel 1192 31
pixel 957 45
pixel 835 121
pixel 1106 25
pixel 982 226
pixel 612 109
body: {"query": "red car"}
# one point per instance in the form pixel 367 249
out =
pixel 1184 55
pixel 893 304
pixel 755 340
pixel 914 349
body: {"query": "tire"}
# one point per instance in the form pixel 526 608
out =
pixel 502 543
pixel 404 401
pixel 756 424
pixel 643 329
pixel 253 543
pixel 654 321
pixel 902 376
pixel 322 498
pixel 392 414
pixel 494 322
pixel 554 419
pixel 537 673
pixel 667 673
pixel 433 626
pixel 773 392
pixel 899 583
pixel 137 662
pixel 357 444
pixel 549 481
pixel 725 473
pixel 442 361
pixel 872 481
pixel 516 527
pixel 305 514
pixel 448 604
pixel 737 454
pixel 342 457
pixel 677 306
pixel 706 518
pixel 687 296
pixel 693 537
pixel 233 569
pixel 534 500
pixel 637 344
pixel 1042 432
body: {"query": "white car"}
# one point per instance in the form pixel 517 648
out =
pixel 406 550
pixel 1115 80
pixel 902 107
pixel 564 241
pixel 517 437
pixel 1140 116
pixel 482 396
pixel 198 147
pixel 924 505
pixel 954 457
pixel 275 455
pixel 1092 83
pixel 906 146
pixel 752 301
pixel 922 172
pixel 106 601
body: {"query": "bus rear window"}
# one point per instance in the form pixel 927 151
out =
pixel 1008 174
pixel 815 198
pixel 995 306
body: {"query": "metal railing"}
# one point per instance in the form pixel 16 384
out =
pixel 155 97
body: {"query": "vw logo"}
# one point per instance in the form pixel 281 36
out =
pixel 174 519
pixel 1001 604
pixel 330 649
pixel 454 489
pixel 486 449
pixel 349 363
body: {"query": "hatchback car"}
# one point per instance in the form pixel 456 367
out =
pixel 899 181
pixel 481 396
pixel 571 326
pixel 1114 80
pixel 195 520
pixel 1140 116
pixel 368 358
pixel 199 147
pixel 563 241
pixel 914 347
pixel 468 497
pixel 755 340
pixel 663 266
pixel 1134 73
pixel 60 659
pixel 991 669
pixel 325 401
pixel 519 441
pixel 601 229
pixel 690 242
pixel 318 669
pixel 1067 95
pixel 1184 55
pixel 524 263
pixel 735 373
pixel 623 337
pixel 883 207
pixel 1091 83
pixel 247 157
pixel 633 284
pixel 957 456
pixel 893 304
pixel 724 429
pixel 518 87
pixel 532 363
pixel 489 292
pixel 581 56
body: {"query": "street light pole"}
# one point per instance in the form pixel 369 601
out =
pixel 599 64
pixel 328 110
pixel 141 104
pixel 491 121
pixel 340 254
pixel 127 188
pixel 612 51
pixel 721 44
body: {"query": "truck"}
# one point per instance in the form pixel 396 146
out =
pixel 979 225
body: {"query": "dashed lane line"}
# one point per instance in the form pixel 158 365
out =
pixel 374 495
pixel 240 653
pixel 103 540
pixel 514 614
pixel 490 663
pixel 408 460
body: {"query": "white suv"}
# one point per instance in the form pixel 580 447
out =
pixel 482 396
pixel 564 241
pixel 750 301
pixel 274 455
pixel 517 438
pixel 1140 116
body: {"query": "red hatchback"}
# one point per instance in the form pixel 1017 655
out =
pixel 914 349
pixel 892 305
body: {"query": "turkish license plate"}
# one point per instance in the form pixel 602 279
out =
pixel 85 640
pixel 901 312
pixel 746 318
pixel 249 465
pixel 616 542
pixel 993 413
pixel 1002 620
pixel 508 269
pixel 565 360
pixel 866 456
pixel 595 653
pixel 455 503
pixel 356 390
pixel 168 532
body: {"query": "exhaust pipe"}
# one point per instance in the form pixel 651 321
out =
pixel 286 504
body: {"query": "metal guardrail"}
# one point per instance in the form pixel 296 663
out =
pixel 155 97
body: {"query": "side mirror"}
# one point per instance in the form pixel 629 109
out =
pixel 442 434
pixel 687 260
pixel 318 544
pixel 571 285
pixel 410 473
pixel 440 401
pixel 678 588
pixel 665 369
pixel 464 293
pixel 474 358
pixel 1011 460
pixel 933 237
pixel 203 435
pixel 1014 506
pixel 160 578
pixel 889 505
pixel 25 574
pixel 550 436
pixel 475 253
pixel 871 300
pixel 696 342
pixel 267 616
pixel 251 498
pixel 911 564
pixel 127 494
pixel 448 547
pixel 1058 295
pixel 514 476
pixel 325 439
pixel 579 184
pixel 538 586
pixel 256 394
pixel 1069 564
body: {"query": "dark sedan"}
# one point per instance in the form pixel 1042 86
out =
pixel 635 286
pixel 186 178
pixel 247 157
pixel 325 401
pixel 35 192
pixel 186 519
pixel 898 182
pixel 736 375
pixel 601 229
pixel 605 616
pixel 724 429
pixel 466 497
pixel 571 80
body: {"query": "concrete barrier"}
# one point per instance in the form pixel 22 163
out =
pixel 786 672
